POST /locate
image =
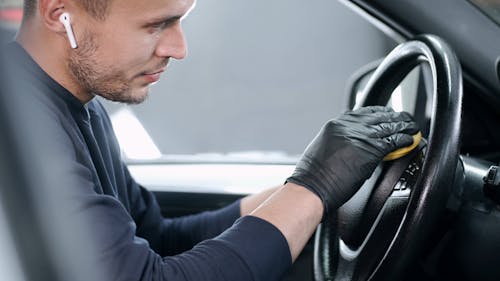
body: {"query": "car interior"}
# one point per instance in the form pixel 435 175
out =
pixel 433 214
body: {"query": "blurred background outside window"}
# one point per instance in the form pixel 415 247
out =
pixel 260 79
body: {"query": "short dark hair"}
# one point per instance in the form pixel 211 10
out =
pixel 98 9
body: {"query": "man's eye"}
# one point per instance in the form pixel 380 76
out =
pixel 160 25
pixel 164 24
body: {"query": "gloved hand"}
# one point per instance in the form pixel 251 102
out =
pixel 348 149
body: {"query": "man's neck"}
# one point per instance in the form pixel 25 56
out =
pixel 52 57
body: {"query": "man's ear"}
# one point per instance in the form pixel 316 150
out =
pixel 49 12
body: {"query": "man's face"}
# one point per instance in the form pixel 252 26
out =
pixel 120 57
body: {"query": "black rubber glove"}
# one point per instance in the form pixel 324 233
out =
pixel 348 149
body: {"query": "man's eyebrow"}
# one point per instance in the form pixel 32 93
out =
pixel 167 20
pixel 172 18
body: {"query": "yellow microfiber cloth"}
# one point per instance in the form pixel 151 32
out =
pixel 398 153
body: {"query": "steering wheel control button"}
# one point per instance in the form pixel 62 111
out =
pixel 401 188
pixel 398 153
pixel 412 169
pixel 409 176
pixel 397 186
pixel 403 185
pixel 492 184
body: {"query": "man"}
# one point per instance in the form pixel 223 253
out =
pixel 71 51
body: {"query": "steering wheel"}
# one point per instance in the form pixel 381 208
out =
pixel 383 228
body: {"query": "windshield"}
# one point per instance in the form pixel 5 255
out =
pixel 490 7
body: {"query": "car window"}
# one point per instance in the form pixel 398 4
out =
pixel 259 81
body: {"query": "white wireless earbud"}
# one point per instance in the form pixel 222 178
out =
pixel 65 20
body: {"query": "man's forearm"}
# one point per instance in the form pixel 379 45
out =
pixel 251 202
pixel 295 211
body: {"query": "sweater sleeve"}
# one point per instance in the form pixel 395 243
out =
pixel 181 234
pixel 252 249
pixel 172 236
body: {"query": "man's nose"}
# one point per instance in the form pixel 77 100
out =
pixel 172 43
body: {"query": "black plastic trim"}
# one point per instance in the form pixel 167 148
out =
pixel 175 204
pixel 478 68
pixel 498 69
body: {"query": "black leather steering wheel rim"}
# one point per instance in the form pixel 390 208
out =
pixel 433 185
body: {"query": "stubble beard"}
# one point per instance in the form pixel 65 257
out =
pixel 94 78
